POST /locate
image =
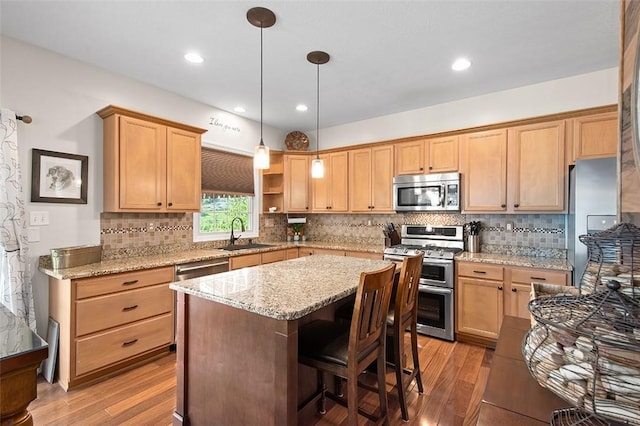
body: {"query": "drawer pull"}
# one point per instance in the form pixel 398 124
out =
pixel 129 343
pixel 479 272
pixel 500 288
pixel 538 278
pixel 130 282
pixel 129 308
pixel 515 290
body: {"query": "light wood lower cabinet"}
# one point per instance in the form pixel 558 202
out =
pixel 255 259
pixel 111 323
pixel 309 251
pixel 486 293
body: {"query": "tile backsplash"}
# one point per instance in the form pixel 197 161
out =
pixel 130 234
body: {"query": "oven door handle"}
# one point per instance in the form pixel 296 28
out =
pixel 393 258
pixel 436 290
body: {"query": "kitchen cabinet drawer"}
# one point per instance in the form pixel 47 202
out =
pixel 328 251
pixel 103 312
pixel 292 253
pixel 245 261
pixel 106 348
pixel 479 270
pixel 273 256
pixel 364 255
pixel 89 287
pixel 527 276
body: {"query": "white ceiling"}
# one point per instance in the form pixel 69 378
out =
pixel 386 56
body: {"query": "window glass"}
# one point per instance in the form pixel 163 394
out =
pixel 216 213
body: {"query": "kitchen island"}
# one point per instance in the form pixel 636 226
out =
pixel 237 336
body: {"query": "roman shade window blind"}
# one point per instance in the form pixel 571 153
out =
pixel 226 173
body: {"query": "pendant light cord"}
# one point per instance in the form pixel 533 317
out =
pixel 261 95
pixel 317 110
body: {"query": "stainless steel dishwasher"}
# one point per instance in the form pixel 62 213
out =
pixel 186 271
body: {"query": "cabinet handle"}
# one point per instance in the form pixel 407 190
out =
pixel 430 167
pixel 515 290
pixel 503 206
pixel 129 343
pixel 129 282
pixel 129 308
pixel 538 278
pixel 500 287
pixel 158 204
pixel 516 205
pixel 421 168
pixel 479 272
pixel 170 204
pixel 307 208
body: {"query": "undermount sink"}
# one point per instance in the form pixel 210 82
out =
pixel 244 246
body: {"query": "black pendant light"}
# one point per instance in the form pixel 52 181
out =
pixel 262 18
pixel 318 58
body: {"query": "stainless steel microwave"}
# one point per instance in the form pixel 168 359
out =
pixel 434 192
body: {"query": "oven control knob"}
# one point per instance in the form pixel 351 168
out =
pixel 441 252
pixel 428 252
pixel 406 250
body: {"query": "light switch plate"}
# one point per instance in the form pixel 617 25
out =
pixel 38 218
pixel 509 226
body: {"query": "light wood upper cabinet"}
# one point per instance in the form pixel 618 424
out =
pixel 537 167
pixel 410 158
pixel 273 183
pixel 438 155
pixel 297 173
pixel 515 170
pixel 370 179
pixel 330 193
pixel 594 136
pixel 484 170
pixel 150 164
pixel 442 154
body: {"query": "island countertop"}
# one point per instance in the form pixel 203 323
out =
pixel 285 290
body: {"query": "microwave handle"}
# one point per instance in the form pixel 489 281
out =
pixel 442 195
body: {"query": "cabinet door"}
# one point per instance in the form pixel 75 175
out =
pixel 485 171
pixel 382 179
pixel 339 185
pixel 360 180
pixel 536 167
pixel 184 186
pixel 595 136
pixel 410 158
pixel 443 155
pixel 297 174
pixel 143 150
pixel 518 300
pixel 321 188
pixel 479 308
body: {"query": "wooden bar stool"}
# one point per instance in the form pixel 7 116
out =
pixel 347 350
pixel 403 316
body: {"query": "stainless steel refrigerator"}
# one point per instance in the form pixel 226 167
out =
pixel 593 206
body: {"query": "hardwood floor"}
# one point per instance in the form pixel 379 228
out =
pixel 454 376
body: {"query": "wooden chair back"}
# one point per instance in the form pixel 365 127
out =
pixel 405 305
pixel 368 324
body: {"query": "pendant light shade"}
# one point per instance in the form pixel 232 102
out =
pixel 317 58
pixel 262 18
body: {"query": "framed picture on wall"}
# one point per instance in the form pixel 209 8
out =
pixel 57 177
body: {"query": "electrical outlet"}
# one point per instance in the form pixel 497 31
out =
pixel 509 226
pixel 38 218
pixel 151 226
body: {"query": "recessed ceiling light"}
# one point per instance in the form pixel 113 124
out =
pixel 194 57
pixel 239 109
pixel 461 64
pixel 301 107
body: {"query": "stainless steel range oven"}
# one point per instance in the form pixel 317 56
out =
pixel 436 292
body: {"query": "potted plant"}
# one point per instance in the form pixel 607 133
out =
pixel 297 230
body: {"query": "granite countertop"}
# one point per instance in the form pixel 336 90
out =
pixel 285 290
pixel 16 336
pixel 179 257
pixel 510 260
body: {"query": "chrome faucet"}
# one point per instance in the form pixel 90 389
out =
pixel 233 239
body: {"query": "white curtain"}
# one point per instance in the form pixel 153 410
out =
pixel 15 283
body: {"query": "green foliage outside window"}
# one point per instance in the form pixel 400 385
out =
pixel 218 210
